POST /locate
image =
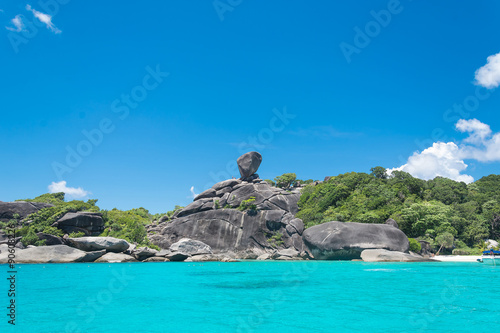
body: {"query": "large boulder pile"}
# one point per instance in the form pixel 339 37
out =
pixel 21 208
pixel 346 240
pixel 91 224
pixel 238 215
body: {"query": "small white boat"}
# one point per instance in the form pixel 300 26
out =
pixel 490 257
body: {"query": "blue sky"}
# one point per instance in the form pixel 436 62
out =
pixel 172 92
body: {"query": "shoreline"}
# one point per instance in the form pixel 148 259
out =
pixel 456 258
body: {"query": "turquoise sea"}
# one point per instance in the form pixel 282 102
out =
pixel 254 297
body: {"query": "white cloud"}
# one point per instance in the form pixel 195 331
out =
pixel 488 76
pixel 442 159
pixel 447 159
pixel 193 193
pixel 71 191
pixel 478 131
pixel 44 18
pixel 18 24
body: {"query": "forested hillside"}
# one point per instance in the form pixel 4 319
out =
pixel 432 210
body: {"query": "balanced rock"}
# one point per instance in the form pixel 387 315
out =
pixel 110 244
pixel 249 163
pixel 52 254
pixel 190 247
pixel 21 208
pixel 86 222
pixel 346 240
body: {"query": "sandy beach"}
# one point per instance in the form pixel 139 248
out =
pixel 457 258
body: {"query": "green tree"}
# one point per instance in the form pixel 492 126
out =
pixel 444 240
pixel 286 180
pixel 379 172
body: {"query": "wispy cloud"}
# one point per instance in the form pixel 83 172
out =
pixel 448 159
pixel 488 76
pixel 322 132
pixel 193 193
pixel 44 18
pixel 70 191
pixel 18 24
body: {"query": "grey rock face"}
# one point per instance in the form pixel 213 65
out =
pixel 346 241
pixel 143 253
pixel 249 163
pixel 155 259
pixel 210 193
pixel 226 183
pixel 190 247
pixel 50 239
pixel 392 223
pixel 89 223
pixel 110 244
pixel 115 257
pixel 176 256
pixel 232 230
pixel 52 254
pixel 22 208
pixel 381 255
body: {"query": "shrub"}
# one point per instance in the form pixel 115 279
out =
pixel 248 204
pixel 462 252
pixel 276 239
pixel 76 234
pixel 415 245
pixel 53 231
pixel 30 238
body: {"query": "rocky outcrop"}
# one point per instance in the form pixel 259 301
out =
pixel 381 255
pixel 392 222
pixel 21 208
pixel 238 215
pixel 110 244
pixel 112 257
pixel 346 240
pixel 91 224
pixel 144 253
pixel 50 239
pixel 177 256
pixel 233 230
pixel 233 192
pixel 52 254
pixel 190 247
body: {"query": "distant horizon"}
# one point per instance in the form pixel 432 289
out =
pixel 144 112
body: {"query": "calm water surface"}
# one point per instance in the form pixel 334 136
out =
pixel 254 297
